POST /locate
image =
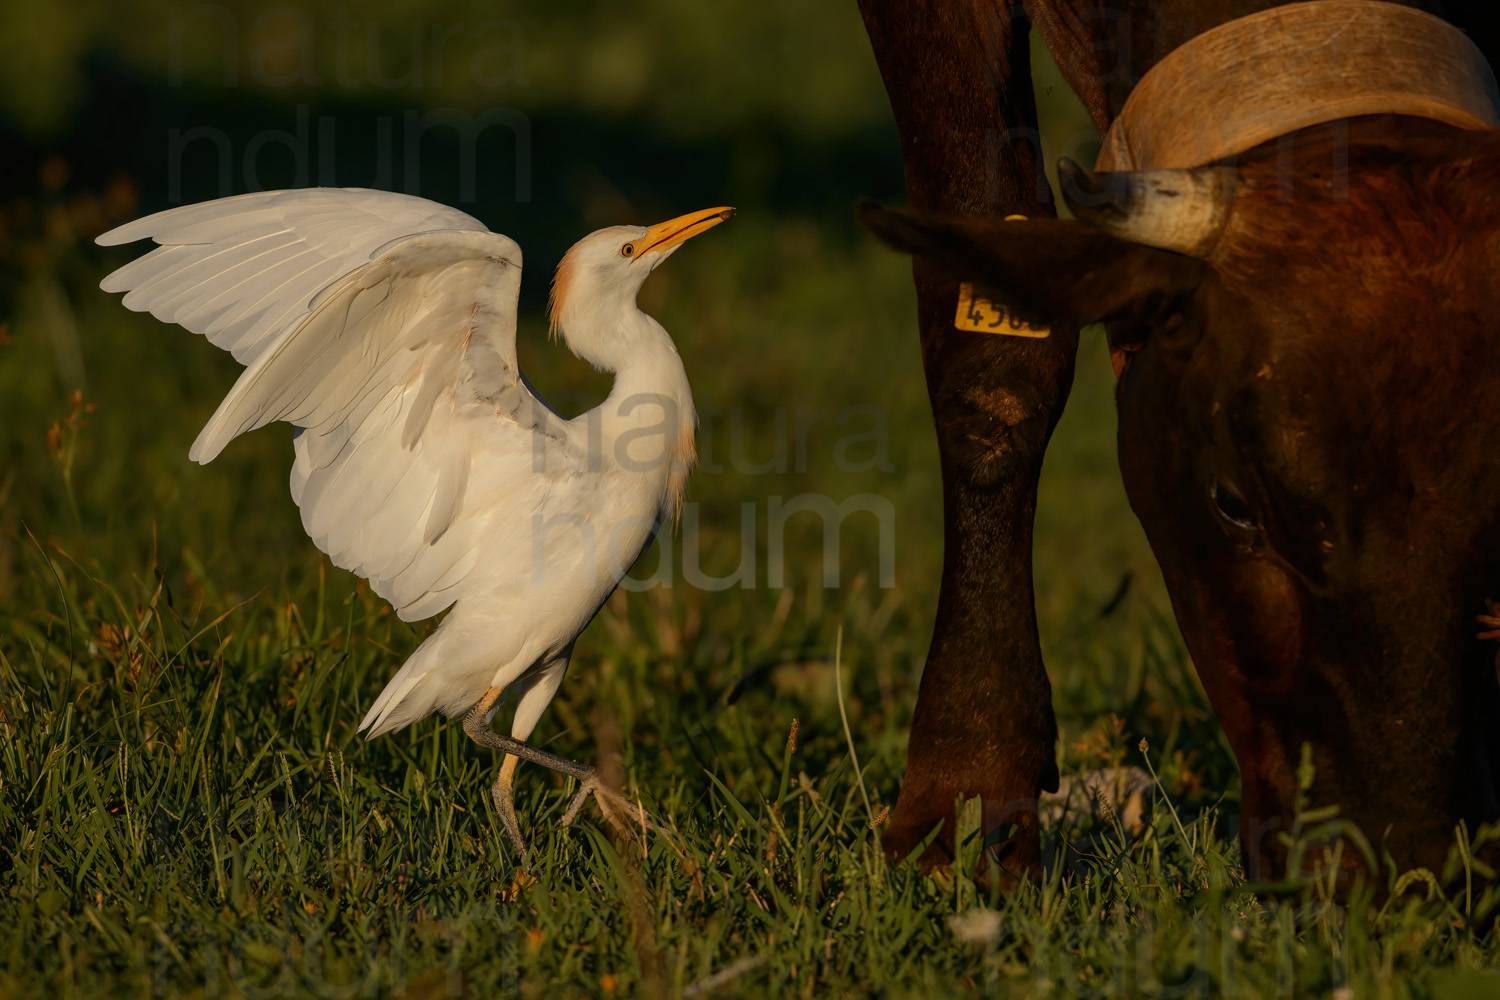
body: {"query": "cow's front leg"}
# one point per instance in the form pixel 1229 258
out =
pixel 983 725
pixel 958 74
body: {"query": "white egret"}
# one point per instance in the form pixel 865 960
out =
pixel 383 327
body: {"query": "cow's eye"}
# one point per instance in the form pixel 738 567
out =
pixel 1230 505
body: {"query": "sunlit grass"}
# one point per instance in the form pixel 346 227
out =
pixel 187 807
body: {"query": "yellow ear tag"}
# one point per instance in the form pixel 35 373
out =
pixel 982 315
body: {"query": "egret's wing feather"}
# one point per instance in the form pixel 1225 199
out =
pixel 383 327
pixel 257 254
pixel 392 378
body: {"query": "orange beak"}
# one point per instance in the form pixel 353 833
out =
pixel 666 235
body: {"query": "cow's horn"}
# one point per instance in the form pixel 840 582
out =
pixel 1180 210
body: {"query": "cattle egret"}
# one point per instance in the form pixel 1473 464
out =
pixel 383 328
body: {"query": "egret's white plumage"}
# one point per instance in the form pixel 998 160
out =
pixel 383 327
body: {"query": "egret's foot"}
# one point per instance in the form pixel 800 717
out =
pixel 619 810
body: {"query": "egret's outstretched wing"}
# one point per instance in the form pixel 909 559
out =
pixel 383 327
pixel 243 271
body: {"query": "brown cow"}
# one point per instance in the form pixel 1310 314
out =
pixel 1309 388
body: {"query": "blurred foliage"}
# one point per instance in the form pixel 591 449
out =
pixel 694 68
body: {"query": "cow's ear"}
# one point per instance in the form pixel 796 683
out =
pixel 1046 270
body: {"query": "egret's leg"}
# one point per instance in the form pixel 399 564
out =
pixel 588 778
pixel 616 808
pixel 478 731
pixel 477 728
pixel 505 805
pixel 536 691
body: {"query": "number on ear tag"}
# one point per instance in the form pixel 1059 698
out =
pixel 987 316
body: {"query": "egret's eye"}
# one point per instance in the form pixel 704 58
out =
pixel 1231 506
pixel 628 250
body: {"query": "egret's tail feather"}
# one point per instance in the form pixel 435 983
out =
pixel 443 675
pixel 405 698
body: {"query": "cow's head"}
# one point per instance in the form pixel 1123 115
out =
pixel 1308 352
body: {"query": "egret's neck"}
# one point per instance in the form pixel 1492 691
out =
pixel 648 422
pixel 651 386
pixel 631 345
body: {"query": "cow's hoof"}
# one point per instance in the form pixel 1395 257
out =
pixel 1009 859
